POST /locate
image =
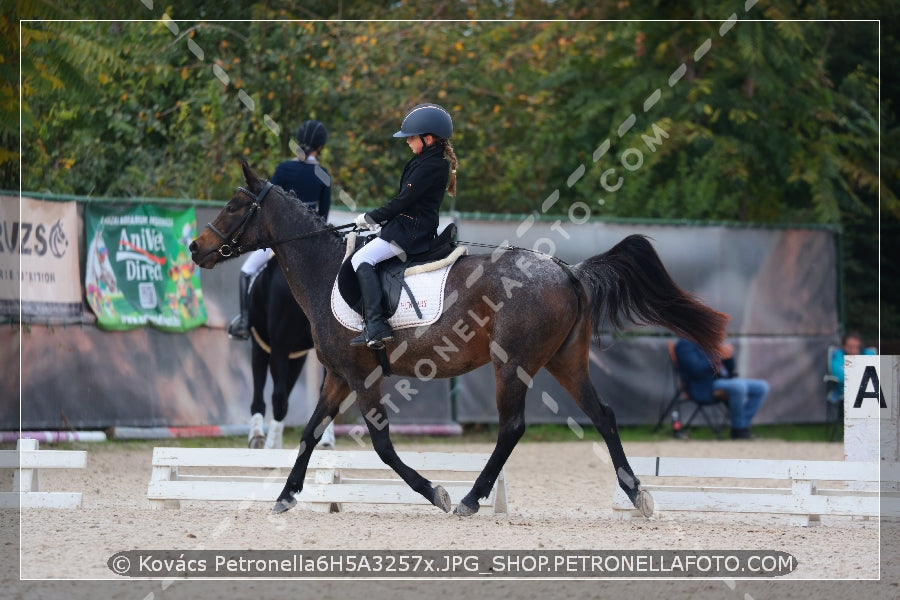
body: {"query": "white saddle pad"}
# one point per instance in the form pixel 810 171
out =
pixel 428 289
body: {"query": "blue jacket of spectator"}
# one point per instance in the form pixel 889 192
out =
pixel 698 370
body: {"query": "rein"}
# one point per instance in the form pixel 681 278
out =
pixel 300 236
pixel 558 261
pixel 230 246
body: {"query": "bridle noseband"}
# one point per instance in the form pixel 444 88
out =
pixel 230 246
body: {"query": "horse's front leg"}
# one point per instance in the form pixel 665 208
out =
pixel 379 430
pixel 511 408
pixel 334 391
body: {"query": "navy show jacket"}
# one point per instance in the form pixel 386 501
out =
pixel 410 219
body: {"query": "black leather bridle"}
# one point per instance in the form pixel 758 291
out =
pixel 230 246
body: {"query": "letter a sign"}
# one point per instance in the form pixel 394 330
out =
pixel 864 406
pixel 863 396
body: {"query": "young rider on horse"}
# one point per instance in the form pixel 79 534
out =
pixel 407 223
pixel 310 182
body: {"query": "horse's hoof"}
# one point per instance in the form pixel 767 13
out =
pixel 441 498
pixel 284 505
pixel 644 503
pixel 257 442
pixel 464 510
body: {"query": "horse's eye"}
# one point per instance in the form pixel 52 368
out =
pixel 231 207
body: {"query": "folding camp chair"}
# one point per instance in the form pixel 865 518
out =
pixel 717 414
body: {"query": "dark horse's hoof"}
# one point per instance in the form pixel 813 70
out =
pixel 464 510
pixel 284 505
pixel 644 502
pixel 640 497
pixel 440 498
pixel 257 442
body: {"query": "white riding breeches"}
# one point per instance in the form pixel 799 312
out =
pixel 256 261
pixel 374 252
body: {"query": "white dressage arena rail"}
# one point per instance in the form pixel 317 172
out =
pixel 866 482
pixel 28 461
pixel 234 474
pixel 799 496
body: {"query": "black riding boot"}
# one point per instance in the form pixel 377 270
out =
pixel 377 331
pixel 239 329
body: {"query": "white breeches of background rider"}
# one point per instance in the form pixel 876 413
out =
pixel 256 261
pixel 374 252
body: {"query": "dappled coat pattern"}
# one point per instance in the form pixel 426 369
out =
pixel 519 311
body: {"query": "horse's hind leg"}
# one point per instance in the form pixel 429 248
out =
pixel 570 368
pixel 511 408
pixel 377 422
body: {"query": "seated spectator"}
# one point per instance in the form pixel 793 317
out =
pixel 851 345
pixel 702 375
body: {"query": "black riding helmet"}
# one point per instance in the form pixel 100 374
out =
pixel 426 118
pixel 311 135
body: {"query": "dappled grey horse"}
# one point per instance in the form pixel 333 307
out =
pixel 518 310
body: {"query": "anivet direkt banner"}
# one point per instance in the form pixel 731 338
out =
pixel 138 269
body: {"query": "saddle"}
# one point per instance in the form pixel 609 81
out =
pixel 392 272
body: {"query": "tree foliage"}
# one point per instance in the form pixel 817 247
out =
pixel 769 117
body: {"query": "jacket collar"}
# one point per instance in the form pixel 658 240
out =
pixel 431 151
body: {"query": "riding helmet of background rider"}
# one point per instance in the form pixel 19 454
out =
pixel 311 135
pixel 304 175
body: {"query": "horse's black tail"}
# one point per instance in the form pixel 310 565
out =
pixel 630 282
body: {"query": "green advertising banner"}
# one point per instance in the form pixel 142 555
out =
pixel 138 269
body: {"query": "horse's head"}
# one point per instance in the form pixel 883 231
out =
pixel 231 233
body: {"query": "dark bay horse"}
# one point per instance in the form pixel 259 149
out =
pixel 280 339
pixel 518 310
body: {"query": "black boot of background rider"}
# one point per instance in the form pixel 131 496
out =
pixel 239 329
pixel 377 331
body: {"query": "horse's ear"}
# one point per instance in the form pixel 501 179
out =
pixel 249 175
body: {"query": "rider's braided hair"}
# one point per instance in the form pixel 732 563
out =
pixel 450 155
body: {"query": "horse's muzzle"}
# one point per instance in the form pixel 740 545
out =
pixel 205 260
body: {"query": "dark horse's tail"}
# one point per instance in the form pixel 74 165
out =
pixel 630 282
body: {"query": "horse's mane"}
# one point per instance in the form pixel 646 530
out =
pixel 317 219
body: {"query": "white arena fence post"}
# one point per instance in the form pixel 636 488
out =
pixel 28 461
